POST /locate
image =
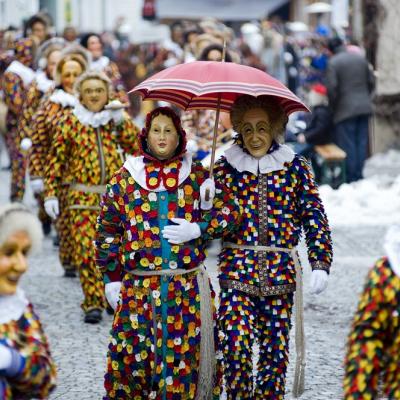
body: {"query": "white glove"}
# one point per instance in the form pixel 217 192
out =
pixel 37 185
pixel 184 231
pixel 52 208
pixel 210 185
pixel 319 281
pixel 112 290
pixel 26 144
pixel 5 357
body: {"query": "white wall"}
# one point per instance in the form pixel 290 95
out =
pixel 13 12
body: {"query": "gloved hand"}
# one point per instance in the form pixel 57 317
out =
pixel 5 357
pixel 52 208
pixel 26 144
pixel 37 185
pixel 319 281
pixel 210 185
pixel 112 290
pixel 184 231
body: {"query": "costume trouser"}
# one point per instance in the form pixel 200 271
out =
pixel 83 231
pixel 18 165
pixel 244 320
pixel 42 215
pixel 352 137
pixel 63 227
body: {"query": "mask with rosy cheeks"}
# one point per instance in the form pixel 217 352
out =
pixel 162 139
pixel 94 94
pixel 256 132
pixel 13 261
pixel 69 73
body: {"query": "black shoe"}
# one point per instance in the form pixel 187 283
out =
pixel 46 226
pixel 93 316
pixel 56 241
pixel 70 273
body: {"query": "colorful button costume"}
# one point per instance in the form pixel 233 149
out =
pixel 157 330
pixel 279 199
pixel 87 149
pixel 37 375
pixel 373 357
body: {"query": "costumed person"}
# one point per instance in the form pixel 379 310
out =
pixel 15 82
pixel 162 339
pixel 101 63
pixel 258 263
pixel 88 147
pixel 49 54
pixel 372 365
pixel 51 111
pixel 27 370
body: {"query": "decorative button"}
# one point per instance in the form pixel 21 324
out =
pixel 165 278
pixel 163 216
pixel 163 197
pixel 166 260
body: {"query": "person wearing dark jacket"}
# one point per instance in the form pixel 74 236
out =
pixel 350 82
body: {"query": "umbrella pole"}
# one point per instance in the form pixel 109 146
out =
pixel 214 144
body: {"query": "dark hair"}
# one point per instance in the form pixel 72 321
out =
pixel 35 19
pixel 85 39
pixel 334 44
pixel 214 46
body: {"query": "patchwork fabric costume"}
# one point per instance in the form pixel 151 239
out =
pixel 53 108
pixel 257 268
pixel 86 151
pixel 33 373
pixel 373 356
pixel 162 336
pixel 15 82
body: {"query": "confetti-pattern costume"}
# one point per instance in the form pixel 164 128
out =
pixel 84 155
pixel 37 375
pixel 34 94
pixel 154 351
pixel 15 82
pixel 52 110
pixel 373 356
pixel 257 286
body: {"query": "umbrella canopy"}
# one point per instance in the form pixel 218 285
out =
pixel 214 85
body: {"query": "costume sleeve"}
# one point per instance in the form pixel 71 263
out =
pixel 40 140
pixel 226 212
pixel 365 350
pixel 27 112
pixel 109 233
pixel 36 378
pixel 57 159
pixel 129 136
pixel 313 218
pixel 13 92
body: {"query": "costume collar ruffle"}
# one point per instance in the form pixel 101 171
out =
pixel 12 307
pixel 274 161
pixel 100 118
pixel 60 96
pixel 25 73
pixel 100 63
pixel 43 82
pixel 136 167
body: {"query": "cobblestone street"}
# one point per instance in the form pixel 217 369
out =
pixel 80 349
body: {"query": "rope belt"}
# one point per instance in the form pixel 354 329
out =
pixel 299 375
pixel 207 371
pixel 80 187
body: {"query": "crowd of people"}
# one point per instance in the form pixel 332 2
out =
pixel 134 210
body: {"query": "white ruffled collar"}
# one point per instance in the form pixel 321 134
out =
pixel 136 167
pixel 43 82
pixel 242 161
pixel 25 73
pixel 87 117
pixel 60 96
pixel 100 63
pixel 12 307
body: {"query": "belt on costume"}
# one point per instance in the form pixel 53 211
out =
pixel 299 374
pixel 207 369
pixel 80 187
pixel 83 207
pixel 255 290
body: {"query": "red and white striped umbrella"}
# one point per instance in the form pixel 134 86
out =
pixel 214 85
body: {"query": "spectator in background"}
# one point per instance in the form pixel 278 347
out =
pixel 373 356
pixel 37 26
pixel 70 34
pixel 350 82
